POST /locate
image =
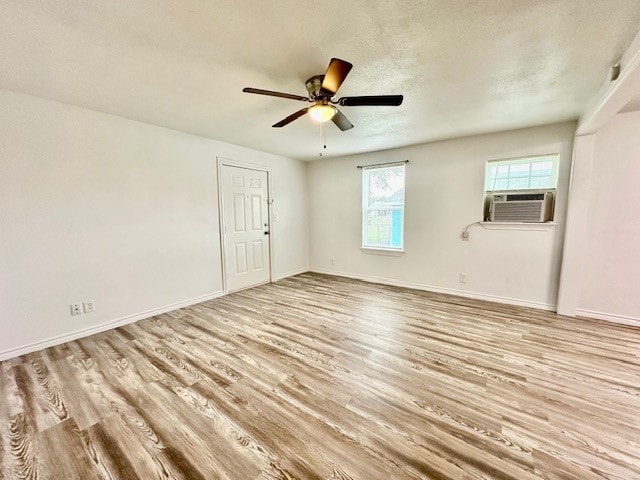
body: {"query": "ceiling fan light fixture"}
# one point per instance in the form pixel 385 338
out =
pixel 322 113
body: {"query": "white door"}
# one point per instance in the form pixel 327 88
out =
pixel 245 227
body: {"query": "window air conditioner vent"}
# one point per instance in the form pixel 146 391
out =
pixel 536 206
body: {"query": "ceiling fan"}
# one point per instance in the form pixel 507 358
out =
pixel 322 89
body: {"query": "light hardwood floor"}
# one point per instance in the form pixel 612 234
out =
pixel 319 377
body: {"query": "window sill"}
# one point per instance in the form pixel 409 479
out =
pixel 518 226
pixel 382 251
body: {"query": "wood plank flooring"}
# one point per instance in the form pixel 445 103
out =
pixel 319 377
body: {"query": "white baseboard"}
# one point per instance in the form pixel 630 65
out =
pixel 450 291
pixel 610 317
pixel 289 274
pixel 85 332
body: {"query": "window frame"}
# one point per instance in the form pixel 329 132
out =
pixel 387 250
pixel 530 159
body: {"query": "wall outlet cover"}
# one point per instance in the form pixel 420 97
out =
pixel 89 306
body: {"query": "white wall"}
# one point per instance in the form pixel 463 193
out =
pixel 94 206
pixel 610 267
pixel 444 193
pixel 575 230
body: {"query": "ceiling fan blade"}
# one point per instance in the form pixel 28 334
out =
pixel 336 72
pixel 372 101
pixel 274 94
pixel 290 118
pixel 341 121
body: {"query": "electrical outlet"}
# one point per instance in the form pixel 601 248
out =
pixel 332 262
pixel 89 306
pixel 76 309
pixel 463 278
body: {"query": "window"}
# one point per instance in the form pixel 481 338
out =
pixel 539 173
pixel 383 207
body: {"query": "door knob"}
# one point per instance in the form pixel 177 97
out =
pixel 266 233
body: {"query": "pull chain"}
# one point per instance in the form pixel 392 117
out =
pixel 323 138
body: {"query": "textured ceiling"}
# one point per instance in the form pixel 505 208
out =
pixel 464 67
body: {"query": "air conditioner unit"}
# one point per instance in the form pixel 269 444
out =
pixel 525 206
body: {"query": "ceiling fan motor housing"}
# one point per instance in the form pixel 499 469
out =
pixel 314 87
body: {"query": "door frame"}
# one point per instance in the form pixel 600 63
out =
pixel 221 162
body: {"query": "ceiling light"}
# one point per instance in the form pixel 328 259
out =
pixel 322 113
